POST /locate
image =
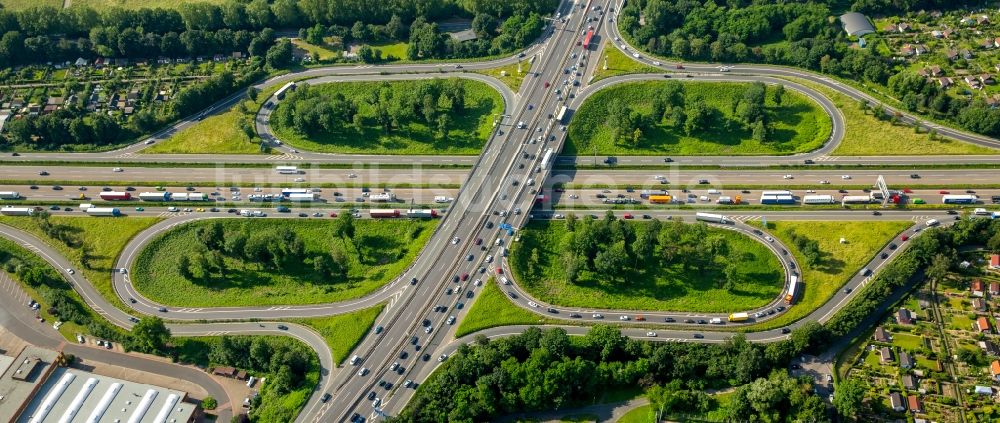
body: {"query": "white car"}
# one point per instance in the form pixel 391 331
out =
pixel 810 191
pixel 148 142
pixel 489 259
pixel 559 216
pixel 352 175
pixel 300 180
pixel 597 316
pixel 651 334
pixel 659 177
pixel 824 182
pixel 479 282
pixel 454 240
pixel 789 177
pixel 769 239
pixel 363 371
pixel 656 63
pixel 623 318
pixel 70 271
pixel 172 209
pixel 356 215
pixel 533 304
pixel 117 169
pixel 845 177
pixel 574 196
pixel 724 69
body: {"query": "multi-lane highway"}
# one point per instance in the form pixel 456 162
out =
pixel 495 184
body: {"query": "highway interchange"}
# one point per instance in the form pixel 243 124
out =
pixel 485 188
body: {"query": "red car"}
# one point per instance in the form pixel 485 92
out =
pixel 943 192
pixel 333 214
pixel 679 66
pixel 907 190
pixel 479 241
pixel 905 237
pixel 465 276
pixel 627 216
pixel 499 270
pixel 546 84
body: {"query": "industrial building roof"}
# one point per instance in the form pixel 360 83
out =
pixel 856 24
pixel 21 376
pixel 83 396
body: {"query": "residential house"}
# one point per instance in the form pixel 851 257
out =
pixel 49 108
pixel 905 360
pixel 981 325
pixel 16 103
pixel 885 355
pixel 914 404
pixel 982 20
pixel 904 317
pixel 966 54
pixel 967 21
pixel 986 79
pixel 937 33
pixel 910 382
pixel 995 286
pixel 896 401
pixel 995 370
pixel 80 62
pixel 237 55
pixel 34 109
pixel 984 390
pixel 946 82
pixel 951 54
pixel 989 347
pixel 230 372
pixel 128 110
pixel 976 288
pixel 907 50
pixel 986 44
pixel 979 304
pixel 995 261
pixel 881 335
pixel 56 101
pixel 935 71
pixel 903 27
pixel 973 82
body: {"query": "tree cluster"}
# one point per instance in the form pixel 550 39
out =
pixel 708 30
pixel 807 246
pixel 777 398
pixel 40 34
pixel 280 250
pixel 286 362
pixel 310 111
pixel 607 247
pixel 544 370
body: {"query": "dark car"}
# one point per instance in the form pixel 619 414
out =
pixel 426 357
pixel 808 161
pixel 371 395
pixel 885 255
pixel 33 187
pixel 282 327
pixel 914 176
pixel 702 321
pixel 303 215
pixel 325 398
pixel 703 181
pixel 842 191
pixel 785 330
pixel 414 340
pixel 413 281
pixel 82 189
pixel 669 319
pixel 403 355
pixel 667 160
pixel 575 316
pixel 129 188
pixel 688 321
pixel 231 211
pixel 892 246
pixel 952 212
pixel 876 213
pixel 427 322
pixel 698 336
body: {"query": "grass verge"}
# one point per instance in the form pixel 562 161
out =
pixel 378 252
pixel 865 135
pixel 216 134
pixel 797 124
pixel 508 74
pixel 493 309
pixel 619 64
pixel 838 262
pixel 96 241
pixel 343 332
pixel 467 131
pixel 648 287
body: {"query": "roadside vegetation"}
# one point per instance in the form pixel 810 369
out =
pixel 91 244
pixel 867 135
pixel 290 366
pixel 696 118
pixel 826 262
pixel 231 132
pixel 56 298
pixel 440 116
pixel 618 64
pixel 646 265
pixel 343 332
pixel 545 370
pixel 242 262
pixel 493 309
pixel 716 412
pixel 508 74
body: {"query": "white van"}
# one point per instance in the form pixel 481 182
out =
pixel 85 206
pixel 714 191
pixel 932 222
pixel 251 381
pixel 355 360
pixel 503 280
